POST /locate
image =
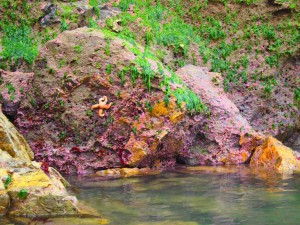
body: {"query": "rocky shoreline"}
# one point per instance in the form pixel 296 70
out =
pixel 95 95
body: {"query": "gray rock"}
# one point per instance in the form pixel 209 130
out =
pixel 50 15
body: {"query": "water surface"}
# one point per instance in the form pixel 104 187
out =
pixel 230 196
pixel 190 197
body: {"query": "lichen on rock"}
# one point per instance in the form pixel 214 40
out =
pixel 273 156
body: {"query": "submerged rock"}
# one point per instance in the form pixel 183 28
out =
pixel 273 156
pixel 27 188
pixel 126 172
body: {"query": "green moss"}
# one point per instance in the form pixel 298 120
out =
pixel 89 113
pixel 78 49
pixel 108 69
pixel 297 96
pixel 92 23
pixel 269 84
pixel 64 25
pixel 95 5
pixel 11 90
pixel 193 102
pixel 18 43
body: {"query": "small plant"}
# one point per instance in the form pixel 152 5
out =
pixel 134 73
pixel 111 80
pixel 78 49
pixel 62 135
pixel 134 130
pixel 119 94
pixel 244 76
pixel 268 32
pixel 94 4
pixel 107 47
pixel 11 91
pixel 66 11
pixel 7 181
pixel 122 74
pixel 32 101
pixel 61 63
pixel 109 120
pixel 124 4
pixel 247 2
pixel 297 96
pixel 47 105
pixel 148 106
pixel 92 23
pixel 269 85
pixel 89 113
pixel 192 101
pixel 108 69
pixel 98 65
pixel 61 103
pixel 212 29
pixel 64 25
pixel 149 37
pixel 272 61
pixel 245 62
pixel 147 72
pixel 23 194
pixel 275 47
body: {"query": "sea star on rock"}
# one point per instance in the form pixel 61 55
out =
pixel 102 106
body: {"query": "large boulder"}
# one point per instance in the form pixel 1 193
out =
pixel 273 156
pixel 155 119
pixel 222 131
pixel 28 188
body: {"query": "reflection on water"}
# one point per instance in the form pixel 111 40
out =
pixel 202 195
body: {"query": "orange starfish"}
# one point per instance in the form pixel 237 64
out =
pixel 102 105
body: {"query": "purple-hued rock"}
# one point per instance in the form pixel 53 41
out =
pixel 139 130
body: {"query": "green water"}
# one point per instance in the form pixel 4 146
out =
pixel 234 196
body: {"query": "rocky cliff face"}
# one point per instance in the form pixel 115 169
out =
pixel 143 127
pixel 28 188
pixel 157 117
